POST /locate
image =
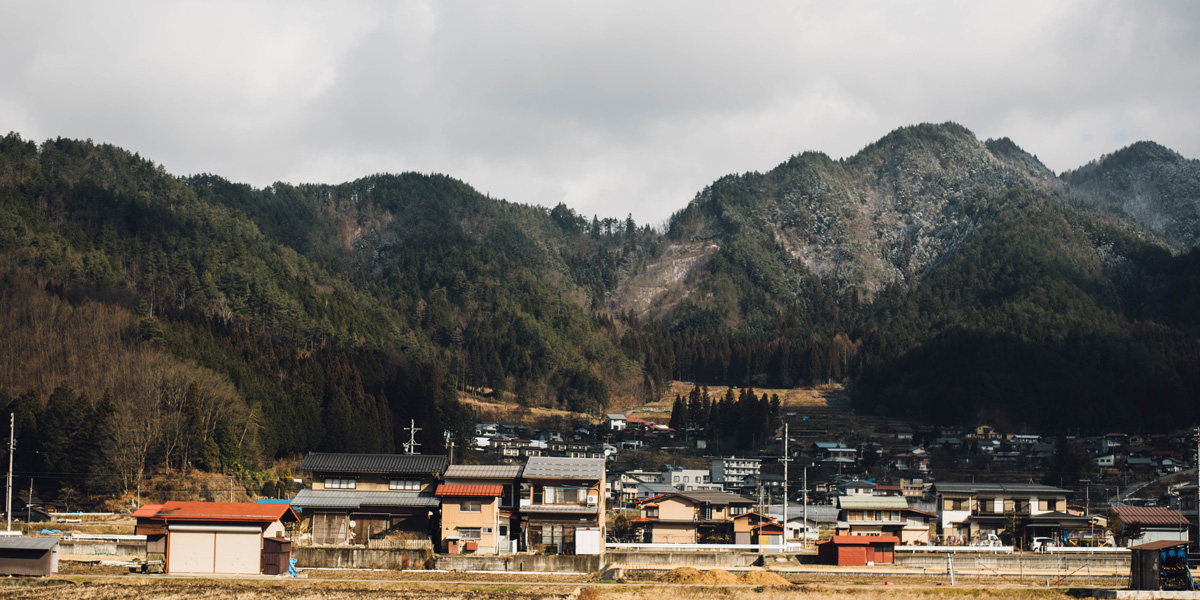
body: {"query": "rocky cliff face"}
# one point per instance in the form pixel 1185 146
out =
pixel 887 215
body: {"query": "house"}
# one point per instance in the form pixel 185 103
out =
pixel 731 472
pixel 355 498
pixel 477 508
pixel 751 528
pixel 684 479
pixel 770 484
pixel 625 485
pixel 856 488
pixel 650 490
pixel 211 537
pixel 562 505
pixel 695 517
pixel 1158 523
pixel 616 422
pixel 821 520
pixel 969 510
pixel 884 515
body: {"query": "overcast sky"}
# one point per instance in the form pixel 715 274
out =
pixel 610 107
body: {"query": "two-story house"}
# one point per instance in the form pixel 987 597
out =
pixel 883 515
pixel 968 510
pixel 478 505
pixel 562 505
pixel 353 498
pixel 694 517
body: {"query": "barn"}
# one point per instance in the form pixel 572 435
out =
pixel 857 550
pixel 212 537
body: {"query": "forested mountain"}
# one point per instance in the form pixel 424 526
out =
pixel 192 322
pixel 1154 185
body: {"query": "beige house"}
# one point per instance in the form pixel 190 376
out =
pixel 695 517
pixel 562 505
pixel 883 515
pixel 969 510
pixel 356 498
pixel 478 503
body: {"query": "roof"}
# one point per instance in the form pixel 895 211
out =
pixel 391 464
pixel 352 499
pixel 27 543
pixel 1159 545
pixel 970 488
pixel 546 467
pixel 242 512
pixel 147 510
pixel 713 497
pixel 872 502
pixel 1150 515
pixel 857 484
pixel 483 471
pixel 863 540
pixel 560 508
pixel 470 491
pixel 615 417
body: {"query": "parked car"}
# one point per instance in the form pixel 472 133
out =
pixel 989 540
pixel 1041 544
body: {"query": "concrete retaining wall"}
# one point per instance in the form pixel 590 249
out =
pixel 936 561
pixel 588 563
pixel 359 558
pixel 684 558
pixel 122 549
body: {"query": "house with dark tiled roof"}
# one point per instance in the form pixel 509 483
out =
pixel 696 517
pixel 562 505
pixel 967 511
pixel 357 498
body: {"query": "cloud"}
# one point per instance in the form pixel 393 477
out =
pixel 613 108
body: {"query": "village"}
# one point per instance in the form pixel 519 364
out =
pixel 625 493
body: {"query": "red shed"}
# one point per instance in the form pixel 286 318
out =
pixel 858 550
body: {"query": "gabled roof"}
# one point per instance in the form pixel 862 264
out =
pixel 147 510
pixel 969 488
pixel 469 491
pixel 547 467
pixel 352 499
pixel 862 540
pixel 713 497
pixel 483 471
pixel 242 512
pixel 376 464
pixel 872 502
pixel 1155 516
pixel 27 543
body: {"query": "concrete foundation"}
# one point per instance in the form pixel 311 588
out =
pixel 657 558
pixel 584 563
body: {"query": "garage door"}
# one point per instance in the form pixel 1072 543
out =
pixel 192 551
pixel 237 552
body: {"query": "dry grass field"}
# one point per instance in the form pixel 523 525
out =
pixel 143 588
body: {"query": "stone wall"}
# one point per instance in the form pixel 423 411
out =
pixel 682 558
pixel 543 563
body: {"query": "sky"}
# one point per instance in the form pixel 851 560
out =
pixel 612 108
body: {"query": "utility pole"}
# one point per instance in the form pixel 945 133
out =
pixel 786 459
pixel 12 444
pixel 231 488
pixel 806 507
pixel 412 443
pixel 450 445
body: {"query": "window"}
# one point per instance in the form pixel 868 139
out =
pixel 552 535
pixel 954 504
pixel 1045 505
pixel 737 510
pixel 469 506
pixel 339 484
pixel 676 479
pixel 469 533
pixel 404 484
pixel 652 512
pixel 561 495
pixel 685 479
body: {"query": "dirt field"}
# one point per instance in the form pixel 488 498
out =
pixel 145 588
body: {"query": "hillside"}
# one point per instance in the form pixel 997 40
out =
pixel 213 325
pixel 1152 184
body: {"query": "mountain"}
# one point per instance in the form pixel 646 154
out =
pixel 1148 182
pixel 210 324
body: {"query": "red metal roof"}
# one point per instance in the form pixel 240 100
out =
pixel 147 510
pixel 242 512
pixel 864 540
pixel 469 490
pixel 1150 515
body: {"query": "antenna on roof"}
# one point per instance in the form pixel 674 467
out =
pixel 412 437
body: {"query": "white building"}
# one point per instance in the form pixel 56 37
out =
pixel 731 472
